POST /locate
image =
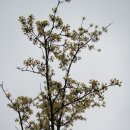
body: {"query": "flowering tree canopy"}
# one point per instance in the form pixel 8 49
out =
pixel 59 103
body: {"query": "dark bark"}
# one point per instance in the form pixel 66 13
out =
pixel 21 122
pixel 48 84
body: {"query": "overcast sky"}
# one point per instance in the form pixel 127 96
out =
pixel 112 61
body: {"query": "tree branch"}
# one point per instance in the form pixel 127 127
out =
pixel 36 72
pixel 21 122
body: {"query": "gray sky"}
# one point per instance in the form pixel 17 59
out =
pixel 113 61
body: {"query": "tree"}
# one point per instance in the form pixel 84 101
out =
pixel 59 103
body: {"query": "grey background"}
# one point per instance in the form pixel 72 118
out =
pixel 113 61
